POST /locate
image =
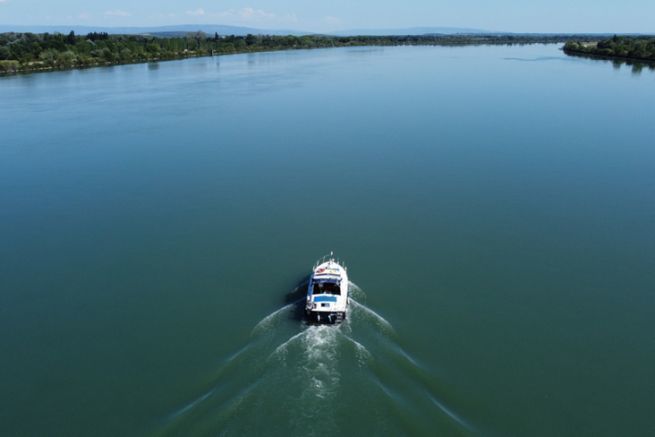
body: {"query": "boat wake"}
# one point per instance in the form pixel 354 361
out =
pixel 310 379
pixel 272 319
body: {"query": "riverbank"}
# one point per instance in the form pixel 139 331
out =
pixel 28 52
pixel 636 49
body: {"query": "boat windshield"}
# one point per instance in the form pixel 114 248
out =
pixel 326 288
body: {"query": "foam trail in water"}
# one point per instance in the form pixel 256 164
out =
pixel 362 353
pixel 304 369
pixel 236 354
pixel 402 353
pixel 450 413
pixel 230 408
pixel 355 291
pixel 320 360
pixel 379 320
pixel 281 349
pixel 268 321
pixel 192 404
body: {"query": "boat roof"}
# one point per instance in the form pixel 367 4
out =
pixel 328 267
pixel 329 271
pixel 326 278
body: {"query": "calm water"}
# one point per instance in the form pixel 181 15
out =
pixel 495 206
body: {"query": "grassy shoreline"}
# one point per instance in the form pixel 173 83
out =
pixel 47 69
pixel 29 53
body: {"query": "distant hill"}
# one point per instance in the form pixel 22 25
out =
pixel 412 31
pixel 182 29
pixel 156 30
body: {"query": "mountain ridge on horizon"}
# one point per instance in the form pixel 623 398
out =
pixel 139 30
pixel 224 29
pixel 234 30
pixel 414 30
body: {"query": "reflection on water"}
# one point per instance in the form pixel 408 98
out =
pixel 635 65
pixel 536 59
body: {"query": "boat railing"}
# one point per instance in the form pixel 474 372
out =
pixel 330 257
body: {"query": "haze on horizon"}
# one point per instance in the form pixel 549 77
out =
pixel 599 16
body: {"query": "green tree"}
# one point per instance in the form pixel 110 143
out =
pixel 126 55
pixel 107 55
pixel 66 59
pixel 49 57
pixel 9 66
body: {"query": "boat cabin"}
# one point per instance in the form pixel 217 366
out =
pixel 326 287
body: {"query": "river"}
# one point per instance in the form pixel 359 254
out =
pixel 495 207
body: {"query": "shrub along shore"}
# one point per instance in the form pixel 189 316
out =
pixel 640 48
pixel 29 52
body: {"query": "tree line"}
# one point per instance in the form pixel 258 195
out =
pixel 34 52
pixel 627 47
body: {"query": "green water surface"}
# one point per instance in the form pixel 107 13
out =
pixel 495 207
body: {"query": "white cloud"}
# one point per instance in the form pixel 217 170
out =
pixel 196 12
pixel 82 16
pixel 242 16
pixel 253 15
pixel 4 1
pixel 117 13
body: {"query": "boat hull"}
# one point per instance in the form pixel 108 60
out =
pixel 325 318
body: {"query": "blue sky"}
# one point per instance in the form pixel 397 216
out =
pixel 324 15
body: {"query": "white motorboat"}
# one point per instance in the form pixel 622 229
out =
pixel 327 291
